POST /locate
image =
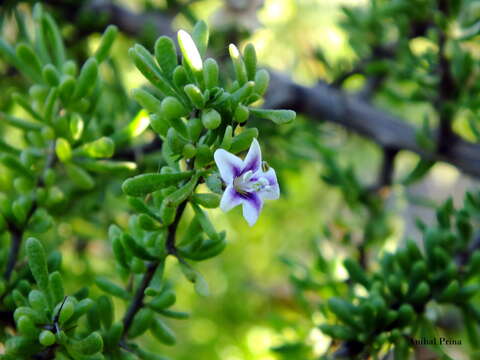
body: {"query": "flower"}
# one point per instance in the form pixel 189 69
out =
pixel 249 182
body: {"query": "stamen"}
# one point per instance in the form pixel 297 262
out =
pixel 265 166
pixel 244 185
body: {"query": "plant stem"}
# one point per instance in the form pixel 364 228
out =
pixel 14 250
pixel 137 302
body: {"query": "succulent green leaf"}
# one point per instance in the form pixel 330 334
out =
pixel 166 55
pixel 147 183
pixel 106 43
pixel 277 116
pixel 37 262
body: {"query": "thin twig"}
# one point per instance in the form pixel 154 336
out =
pixel 385 176
pixel 137 302
pixel 14 250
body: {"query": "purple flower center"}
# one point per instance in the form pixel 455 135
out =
pixel 249 182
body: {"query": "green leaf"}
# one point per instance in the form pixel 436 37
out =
pixel 200 35
pixel 89 345
pixel 144 62
pixel 175 314
pixel 147 183
pixel 241 114
pixel 56 290
pixel 166 55
pixel 100 148
pixel 67 88
pixel 80 177
pixel 87 78
pixel 262 79
pixel 66 308
pixel 356 272
pixel 108 38
pixel 14 164
pixel 108 166
pixel 54 38
pixel 22 101
pixel 26 327
pixel 180 77
pixel 50 75
pixel 134 128
pixel 182 194
pixel 63 150
pixel 195 95
pixel 37 263
pixel 190 52
pixel 211 119
pixel 419 172
pixel 40 221
pixel 250 57
pixel 243 140
pixel 30 63
pixel 141 323
pixel 205 222
pixel 209 201
pixel 238 64
pixel 105 305
pixel 277 116
pixel 162 332
pixel 109 287
pixel 214 183
pixel 421 293
pixel 172 108
pixel 147 100
pixel 242 94
pixel 210 73
pixel 20 123
pixel 166 299
pixel 137 249
pixel 9 55
pixel 46 338
pixel 201 286
pixel 344 310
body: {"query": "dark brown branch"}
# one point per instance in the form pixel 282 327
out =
pixel 101 13
pixel 6 317
pixel 17 235
pixel 137 301
pixel 385 176
pixel 171 248
pixel 14 250
pixel 322 102
pixel 133 153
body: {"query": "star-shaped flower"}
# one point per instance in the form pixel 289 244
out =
pixel 249 182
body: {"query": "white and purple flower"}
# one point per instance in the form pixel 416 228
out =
pixel 249 182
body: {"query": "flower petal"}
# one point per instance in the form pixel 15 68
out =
pixel 230 199
pixel 273 192
pixel 229 165
pixel 253 160
pixel 252 205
